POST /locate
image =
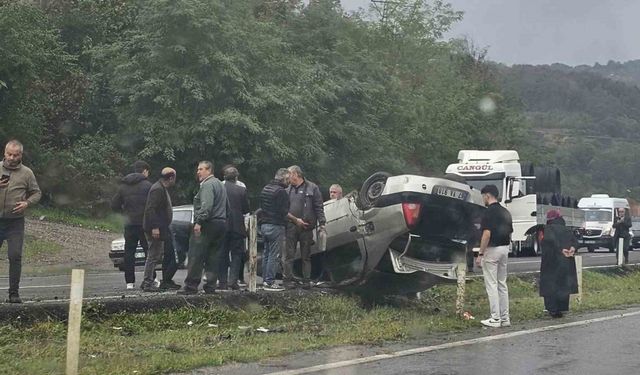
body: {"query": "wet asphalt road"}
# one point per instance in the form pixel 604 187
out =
pixel 609 347
pixel 592 343
pixel 100 285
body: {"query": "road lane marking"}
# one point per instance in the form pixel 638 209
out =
pixel 427 349
pixel 39 286
pixel 524 262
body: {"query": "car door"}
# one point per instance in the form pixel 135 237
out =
pixel 344 257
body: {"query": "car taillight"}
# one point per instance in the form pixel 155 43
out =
pixel 411 213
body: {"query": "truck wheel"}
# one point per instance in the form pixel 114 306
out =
pixel 372 190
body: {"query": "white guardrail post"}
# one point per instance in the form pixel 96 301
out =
pixel 620 251
pixel 578 259
pixel 253 252
pixel 75 317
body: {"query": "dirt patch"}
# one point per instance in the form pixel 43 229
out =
pixel 80 247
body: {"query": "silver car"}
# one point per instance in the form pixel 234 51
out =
pixel 399 235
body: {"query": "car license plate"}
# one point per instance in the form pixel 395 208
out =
pixel 589 241
pixel 446 191
pixel 140 254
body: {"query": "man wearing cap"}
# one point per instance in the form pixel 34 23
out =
pixel 496 227
pixel 158 214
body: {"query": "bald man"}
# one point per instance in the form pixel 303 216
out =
pixel 157 218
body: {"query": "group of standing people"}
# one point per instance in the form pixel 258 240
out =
pixel 291 207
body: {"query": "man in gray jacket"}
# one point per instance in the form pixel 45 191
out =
pixel 306 211
pixel 18 190
pixel 210 225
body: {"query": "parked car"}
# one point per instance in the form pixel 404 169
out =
pixel 180 231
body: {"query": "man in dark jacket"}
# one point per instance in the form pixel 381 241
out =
pixel 274 210
pixel 158 214
pixel 558 278
pixel 130 200
pixel 306 211
pixel 622 225
pixel 209 228
pixel 236 232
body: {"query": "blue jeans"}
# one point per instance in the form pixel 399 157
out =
pixel 273 236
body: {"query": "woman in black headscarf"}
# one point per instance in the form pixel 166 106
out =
pixel 558 278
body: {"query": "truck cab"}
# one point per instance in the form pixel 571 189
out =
pixel 599 211
pixel 517 192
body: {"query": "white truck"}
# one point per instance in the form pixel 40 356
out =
pixel 527 192
pixel 600 211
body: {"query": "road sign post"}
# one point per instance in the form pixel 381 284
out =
pixel 253 252
pixel 461 273
pixel 578 259
pixel 75 317
pixel 620 251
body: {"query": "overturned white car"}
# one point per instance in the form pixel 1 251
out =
pixel 400 234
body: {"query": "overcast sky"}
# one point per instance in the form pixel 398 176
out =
pixel 572 32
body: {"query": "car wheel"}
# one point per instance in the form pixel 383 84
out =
pixel 372 190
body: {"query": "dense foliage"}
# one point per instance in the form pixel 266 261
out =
pixel 90 86
pixel 586 121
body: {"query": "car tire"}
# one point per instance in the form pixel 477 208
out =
pixel 371 190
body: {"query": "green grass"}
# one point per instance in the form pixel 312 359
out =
pixel 112 222
pixel 155 343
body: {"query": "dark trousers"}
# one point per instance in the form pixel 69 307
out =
pixel 204 254
pixel 297 235
pixel 556 304
pixel 160 251
pixel 133 234
pixel 169 261
pixel 231 259
pixel 12 231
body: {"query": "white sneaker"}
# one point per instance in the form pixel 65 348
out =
pixel 495 323
pixel 131 286
pixel 505 323
pixel 156 282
